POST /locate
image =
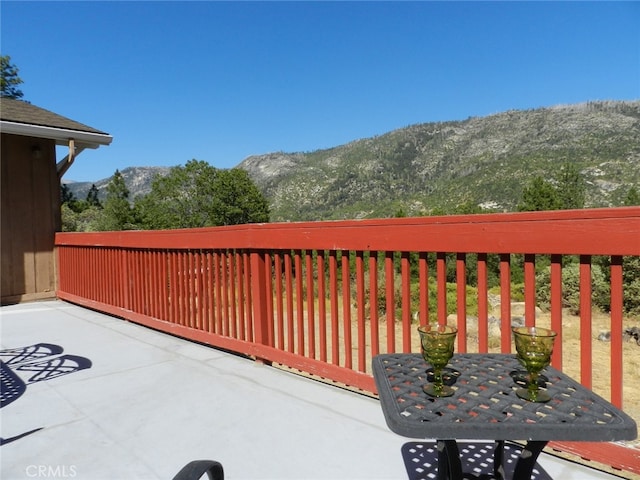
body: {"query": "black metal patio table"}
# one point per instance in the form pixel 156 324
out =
pixel 486 407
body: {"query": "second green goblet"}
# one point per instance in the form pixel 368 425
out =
pixel 534 346
pixel 437 342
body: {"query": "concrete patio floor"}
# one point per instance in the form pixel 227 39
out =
pixel 148 403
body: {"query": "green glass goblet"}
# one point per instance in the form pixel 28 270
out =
pixel 534 346
pixel 437 343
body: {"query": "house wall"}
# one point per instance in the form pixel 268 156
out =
pixel 30 211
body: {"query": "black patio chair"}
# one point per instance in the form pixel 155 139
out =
pixel 197 468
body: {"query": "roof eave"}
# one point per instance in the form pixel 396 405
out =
pixel 60 135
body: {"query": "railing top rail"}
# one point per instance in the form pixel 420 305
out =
pixel 609 231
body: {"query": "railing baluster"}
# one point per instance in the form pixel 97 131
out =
pixel 441 272
pixel 322 305
pixel 269 295
pixel 240 298
pixel 218 279
pixel 505 302
pixel 483 306
pixel 423 281
pixel 297 262
pixel 373 303
pixel 346 309
pixel 556 308
pixel 390 301
pixel 616 330
pixel 586 357
pixel 184 290
pixel 226 315
pixel 360 311
pixel 405 276
pixel 279 300
pixel 461 290
pixel 335 314
pixel 310 298
pixel 248 297
pixel 530 290
pixel 289 291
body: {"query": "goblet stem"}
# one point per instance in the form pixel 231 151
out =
pixel 437 381
pixel 533 386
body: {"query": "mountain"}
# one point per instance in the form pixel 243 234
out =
pixel 483 161
pixel 137 179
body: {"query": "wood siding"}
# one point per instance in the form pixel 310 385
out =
pixel 30 214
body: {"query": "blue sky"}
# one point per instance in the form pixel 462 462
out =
pixel 219 81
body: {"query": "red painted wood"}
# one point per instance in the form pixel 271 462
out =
pixel 333 281
pixel 586 357
pixel 279 301
pixel 241 278
pixel 461 290
pixel 289 291
pixel 211 299
pixel 322 305
pixel 299 295
pixel 217 276
pixel 556 309
pixel 390 307
pixel 259 294
pixel 616 331
pixel 360 311
pixel 611 231
pixel 505 302
pixel 530 290
pixel 373 302
pixel 268 295
pixel 309 285
pixel 405 276
pixel 618 456
pixel 483 304
pixel 346 310
pixel 441 274
pixel 423 269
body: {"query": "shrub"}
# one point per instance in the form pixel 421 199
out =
pixel 631 288
pixel 600 290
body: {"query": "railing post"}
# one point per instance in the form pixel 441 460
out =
pixel 259 299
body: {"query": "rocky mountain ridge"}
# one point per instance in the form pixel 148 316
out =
pixel 137 179
pixel 415 170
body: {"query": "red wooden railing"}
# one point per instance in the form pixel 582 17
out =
pixel 324 297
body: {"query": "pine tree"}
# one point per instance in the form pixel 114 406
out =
pixel 539 195
pixel 66 195
pixel 9 79
pixel 92 197
pixel 570 187
pixel 117 211
pixel 632 198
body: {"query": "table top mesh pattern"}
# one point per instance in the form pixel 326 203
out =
pixel 485 405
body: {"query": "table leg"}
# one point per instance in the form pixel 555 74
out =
pixel 449 464
pixel 498 458
pixel 527 460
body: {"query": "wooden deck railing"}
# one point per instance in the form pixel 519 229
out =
pixel 324 297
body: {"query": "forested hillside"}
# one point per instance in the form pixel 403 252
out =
pixel 437 167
